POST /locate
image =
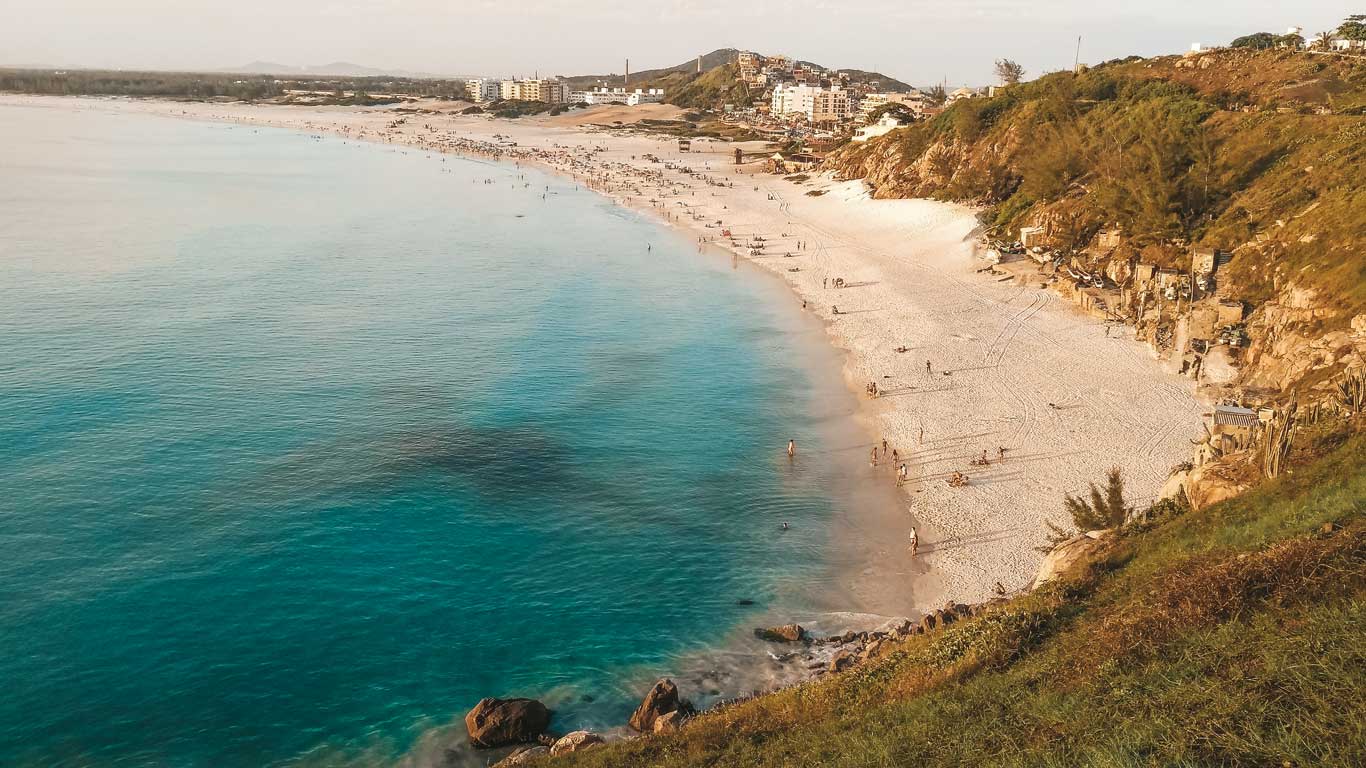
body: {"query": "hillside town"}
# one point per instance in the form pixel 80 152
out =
pixel 783 96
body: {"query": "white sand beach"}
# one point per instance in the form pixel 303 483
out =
pixel 1010 365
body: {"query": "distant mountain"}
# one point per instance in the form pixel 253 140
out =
pixel 335 69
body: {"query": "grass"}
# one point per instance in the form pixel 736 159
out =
pixel 1231 636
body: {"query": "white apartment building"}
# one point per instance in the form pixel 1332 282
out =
pixel 815 104
pixel 618 96
pixel 482 89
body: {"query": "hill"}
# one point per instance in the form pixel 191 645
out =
pixel 1229 636
pixel 1256 153
pixel 717 84
pixel 710 61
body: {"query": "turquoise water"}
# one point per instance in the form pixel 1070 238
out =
pixel 305 446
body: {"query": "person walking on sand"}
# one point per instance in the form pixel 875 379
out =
pixel 915 542
pixel 791 448
pixel 927 366
pixel 872 457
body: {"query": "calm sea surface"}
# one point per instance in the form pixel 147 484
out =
pixel 305 445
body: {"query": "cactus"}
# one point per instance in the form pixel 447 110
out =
pixel 1276 438
pixel 1352 392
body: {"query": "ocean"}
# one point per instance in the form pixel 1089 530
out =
pixel 307 445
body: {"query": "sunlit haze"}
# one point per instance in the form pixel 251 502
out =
pixel 916 41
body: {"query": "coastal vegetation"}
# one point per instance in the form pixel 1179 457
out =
pixel 1101 510
pixel 202 86
pixel 1232 635
pixel 1257 153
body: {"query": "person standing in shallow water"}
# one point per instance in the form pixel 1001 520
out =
pixel 791 448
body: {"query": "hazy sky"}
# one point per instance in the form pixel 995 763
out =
pixel 916 41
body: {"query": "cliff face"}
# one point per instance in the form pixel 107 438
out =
pixel 1255 155
pixel 1298 339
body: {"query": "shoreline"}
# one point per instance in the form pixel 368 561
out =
pixel 998 351
pixel 1051 385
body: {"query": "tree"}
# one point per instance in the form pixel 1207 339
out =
pixel 893 108
pixel 1354 28
pixel 937 95
pixel 1256 41
pixel 1008 71
pixel 1324 40
pixel 1292 41
pixel 1103 509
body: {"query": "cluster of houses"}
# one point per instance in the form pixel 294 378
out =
pixel 1181 308
pixel 800 99
pixel 555 91
pixel 787 96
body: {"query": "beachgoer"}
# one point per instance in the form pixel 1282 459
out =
pixel 1001 452
pixel 791 448
pixel 915 542
pixel 927 366
pixel 784 526
pixel 872 460
pixel 884 445
pixel 921 439
pixel 896 456
pixel 999 589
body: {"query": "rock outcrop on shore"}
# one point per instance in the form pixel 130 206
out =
pixel 575 741
pixel 522 756
pixel 501 722
pixel 787 633
pixel 1069 553
pixel 661 700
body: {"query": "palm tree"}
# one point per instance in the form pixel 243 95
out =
pixel 1324 40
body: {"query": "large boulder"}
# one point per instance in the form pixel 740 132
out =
pixel 574 742
pixel 841 661
pixel 787 633
pixel 1067 554
pixel 662 699
pixel 1212 483
pixel 522 756
pixel 500 722
pixel 669 721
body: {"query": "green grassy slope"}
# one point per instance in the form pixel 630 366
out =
pixel 1231 636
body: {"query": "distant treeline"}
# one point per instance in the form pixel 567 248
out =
pixel 195 85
